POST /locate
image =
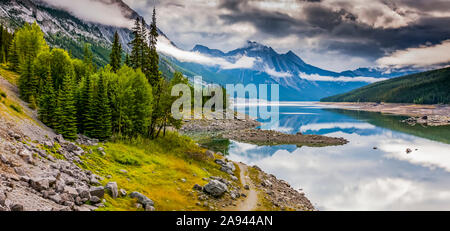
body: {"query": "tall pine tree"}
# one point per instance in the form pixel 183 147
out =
pixel 65 112
pixel 137 44
pixel 116 54
pixel 102 129
pixel 47 102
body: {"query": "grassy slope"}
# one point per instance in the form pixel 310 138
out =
pixel 430 87
pixel 154 167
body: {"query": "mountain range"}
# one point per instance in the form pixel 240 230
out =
pixel 253 63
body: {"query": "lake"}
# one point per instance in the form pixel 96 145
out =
pixel 356 176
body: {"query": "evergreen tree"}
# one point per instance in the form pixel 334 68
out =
pixel 137 44
pixel 116 54
pixel 47 102
pixel 102 129
pixel 154 74
pixel 127 60
pixel 28 42
pixel 88 58
pixel 65 112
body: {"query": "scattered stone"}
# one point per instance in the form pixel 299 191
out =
pixel 40 184
pixel 246 187
pixel 112 189
pixel 234 178
pixel 2 198
pixel 215 188
pixel 220 154
pixel 123 193
pixel 183 180
pixel 145 201
pixel 16 207
pixel 95 199
pixel 408 150
pixel 97 191
pixel 123 171
pixel 209 154
pixel 198 187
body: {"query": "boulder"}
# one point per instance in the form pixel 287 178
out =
pixel 142 199
pixel 123 192
pixel 95 199
pixel 209 154
pixel 40 184
pixel 84 194
pixel 16 207
pixel 112 189
pixel 98 191
pixel 71 191
pixel 215 188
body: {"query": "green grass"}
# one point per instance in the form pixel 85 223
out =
pixel 154 168
pixel 430 87
pixel 10 76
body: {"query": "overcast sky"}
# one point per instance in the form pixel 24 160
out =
pixel 332 34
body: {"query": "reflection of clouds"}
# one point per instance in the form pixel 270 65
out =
pixel 356 177
pixel 430 154
pixel 320 126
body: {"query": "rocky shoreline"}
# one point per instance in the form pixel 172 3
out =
pixel 245 130
pixel 270 138
pixel 426 115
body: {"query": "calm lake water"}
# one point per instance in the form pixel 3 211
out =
pixel 356 176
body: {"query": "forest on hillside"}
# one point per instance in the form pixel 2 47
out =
pixel 128 97
pixel 432 87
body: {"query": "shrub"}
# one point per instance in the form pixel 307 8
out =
pixel 16 108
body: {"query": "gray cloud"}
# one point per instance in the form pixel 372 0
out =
pixel 325 33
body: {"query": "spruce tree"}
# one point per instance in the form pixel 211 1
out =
pixel 136 43
pixel 116 54
pixel 65 113
pixel 103 112
pixel 47 102
pixel 154 75
pixel 127 60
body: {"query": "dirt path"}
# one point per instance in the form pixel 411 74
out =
pixel 250 202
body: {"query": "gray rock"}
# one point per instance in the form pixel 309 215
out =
pixel 40 184
pixel 219 162
pixel 55 198
pixel 149 208
pixel 2 198
pixel 215 188
pixel 97 191
pixel 227 170
pixel 142 199
pixel 220 154
pixel 71 191
pixel 209 154
pixel 84 194
pixel 95 199
pixel 20 171
pixel 60 139
pixel 112 189
pixel 234 178
pixel 123 171
pixel 16 207
pixel 94 180
pixel 66 197
pixel 246 187
pixel 198 187
pixel 123 192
